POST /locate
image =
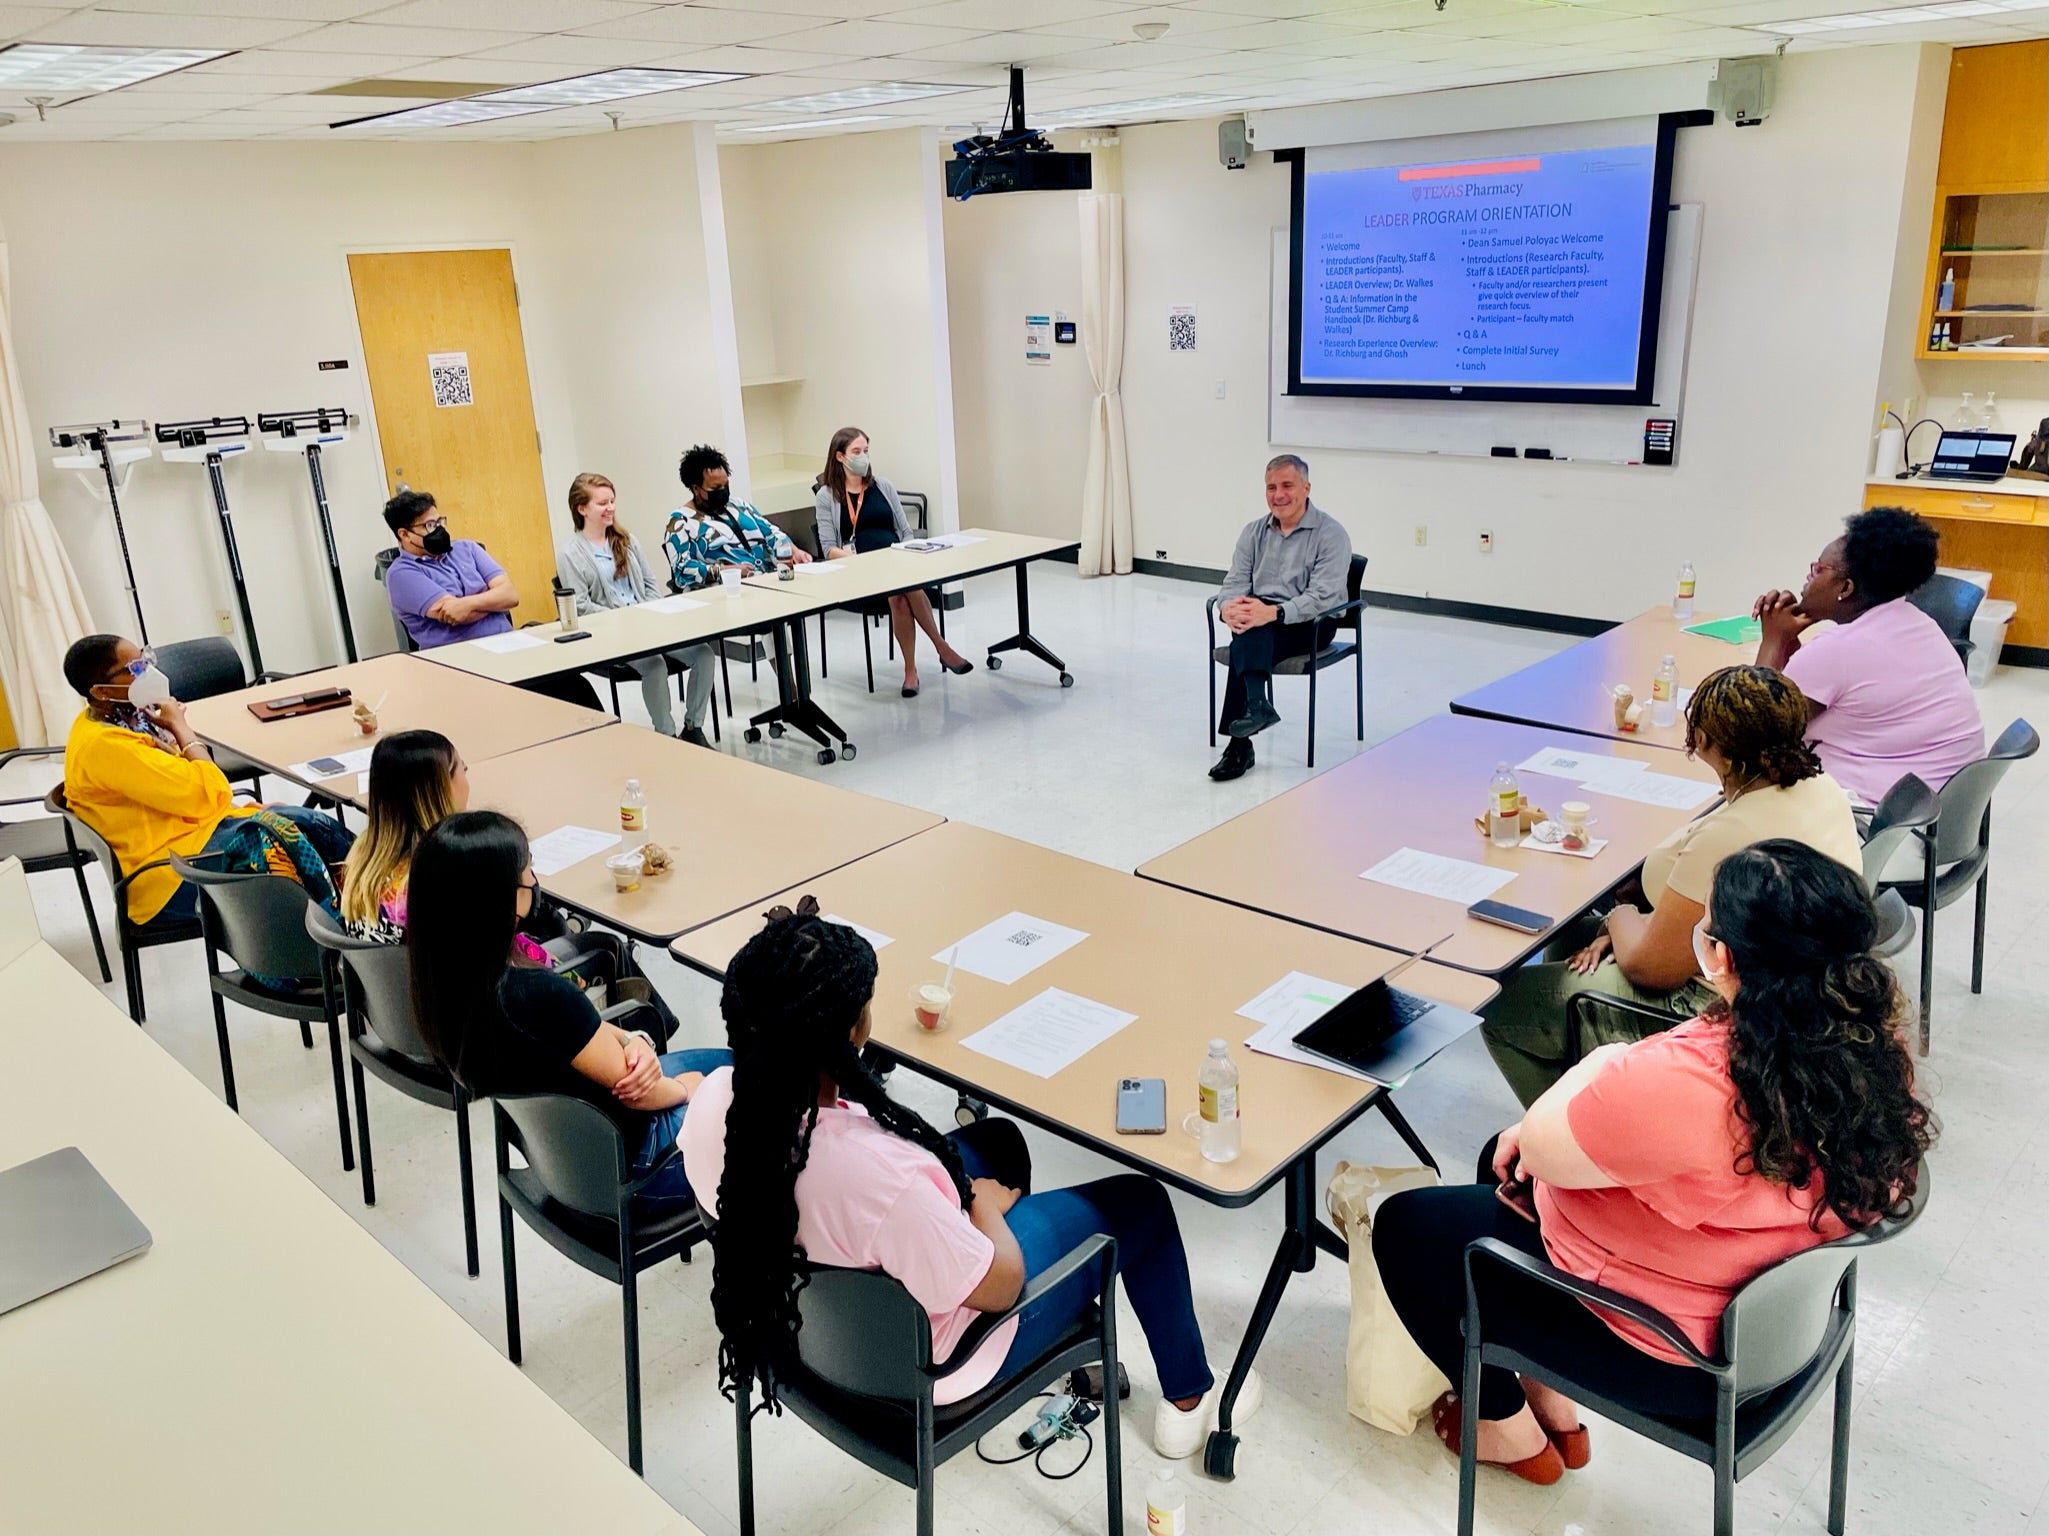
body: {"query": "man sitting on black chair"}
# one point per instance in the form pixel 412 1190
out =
pixel 1289 567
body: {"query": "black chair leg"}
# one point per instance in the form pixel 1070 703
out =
pixel 868 653
pixel 1927 958
pixel 629 1301
pixel 726 673
pixel 716 736
pixel 469 1182
pixel 1978 933
pixel 928 1471
pixel 614 682
pixel 511 1279
pixel 1468 1461
pixel 743 1448
pixel 1839 1447
pixel 131 976
pixel 1113 1434
pixel 363 1133
pixel 306 1033
pixel 92 918
pixel 1312 712
pixel 220 1029
pixel 1359 688
pixel 341 1092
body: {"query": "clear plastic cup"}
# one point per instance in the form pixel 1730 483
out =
pixel 931 1006
pixel 625 868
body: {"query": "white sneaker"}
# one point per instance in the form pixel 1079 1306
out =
pixel 1179 1434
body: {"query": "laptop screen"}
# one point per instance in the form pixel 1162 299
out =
pixel 1972 453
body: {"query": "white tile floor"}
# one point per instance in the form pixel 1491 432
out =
pixel 1948 1433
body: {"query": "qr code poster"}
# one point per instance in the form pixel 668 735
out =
pixel 451 374
pixel 1181 328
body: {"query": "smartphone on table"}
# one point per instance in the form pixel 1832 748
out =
pixel 1141 1106
pixel 1502 915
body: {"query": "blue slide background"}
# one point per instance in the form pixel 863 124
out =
pixel 1515 278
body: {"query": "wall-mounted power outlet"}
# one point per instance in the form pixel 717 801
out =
pixel 1159 554
pixel 224 621
pixel 1486 541
pixel 1422 534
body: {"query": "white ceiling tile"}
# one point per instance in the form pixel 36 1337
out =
pixel 1276 32
pixel 136 29
pixel 566 48
pixel 701 24
pixel 327 68
pixel 472 71
pixel 992 15
pixel 1257 7
pixel 417 42
pixel 525 15
pixel 1137 55
pixel 996 48
pixel 873 39
pixel 747 60
pixel 838 10
pixel 23 21
pixel 1116 27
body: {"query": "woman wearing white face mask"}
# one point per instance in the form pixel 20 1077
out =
pixel 858 511
pixel 137 775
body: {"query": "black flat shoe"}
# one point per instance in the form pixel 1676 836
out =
pixel 1234 762
pixel 960 671
pixel 910 693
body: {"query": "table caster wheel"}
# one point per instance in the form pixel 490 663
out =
pixel 968 1111
pixel 775 729
pixel 827 755
pixel 1220 1455
pixel 994 663
pixel 1067 679
pixel 847 750
pixel 752 734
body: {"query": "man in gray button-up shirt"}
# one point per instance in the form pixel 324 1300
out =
pixel 1289 566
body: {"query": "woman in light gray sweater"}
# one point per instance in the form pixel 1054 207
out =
pixel 603 566
pixel 857 512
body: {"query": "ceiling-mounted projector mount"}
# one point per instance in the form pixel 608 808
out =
pixel 1015 159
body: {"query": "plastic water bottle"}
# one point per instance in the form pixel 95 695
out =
pixel 1221 1133
pixel 1682 600
pixel 1665 693
pixel 1166 1506
pixel 1504 808
pixel 633 811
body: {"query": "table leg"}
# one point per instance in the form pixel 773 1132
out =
pixel 795 708
pixel 1024 640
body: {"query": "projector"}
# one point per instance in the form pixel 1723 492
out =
pixel 1014 159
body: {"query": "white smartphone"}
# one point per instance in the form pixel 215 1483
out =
pixel 1141 1106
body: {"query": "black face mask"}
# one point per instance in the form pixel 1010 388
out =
pixel 542 922
pixel 715 499
pixel 436 541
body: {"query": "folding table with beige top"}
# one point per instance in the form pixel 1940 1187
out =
pixel 1182 965
pixel 737 831
pixel 484 719
pixel 1301 855
pixel 1574 690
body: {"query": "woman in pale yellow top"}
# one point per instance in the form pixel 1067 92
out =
pixel 1749 724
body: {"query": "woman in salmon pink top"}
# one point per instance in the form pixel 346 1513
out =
pixel 1675 1169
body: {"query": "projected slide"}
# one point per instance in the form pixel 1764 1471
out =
pixel 1516 271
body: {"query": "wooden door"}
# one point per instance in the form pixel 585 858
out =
pixel 470 440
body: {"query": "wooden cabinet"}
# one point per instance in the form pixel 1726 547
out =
pixel 1982 530
pixel 1995 125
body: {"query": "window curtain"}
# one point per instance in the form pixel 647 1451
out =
pixel 1106 537
pixel 42 606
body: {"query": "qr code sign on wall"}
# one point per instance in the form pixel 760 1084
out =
pixel 450 372
pixel 1181 328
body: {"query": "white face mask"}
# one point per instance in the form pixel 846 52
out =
pixel 857 464
pixel 1701 957
pixel 149 688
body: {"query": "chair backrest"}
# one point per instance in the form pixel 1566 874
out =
pixel 259 921
pixel 384 560
pixel 1950 601
pixel 1773 1326
pixel 88 840
pixel 1355 576
pixel 864 1333
pixel 202 669
pixel 1907 807
pixel 573 1148
pixel 802 527
pixel 1963 800
pixel 378 982
pixel 915 510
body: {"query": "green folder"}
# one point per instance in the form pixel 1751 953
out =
pixel 1736 631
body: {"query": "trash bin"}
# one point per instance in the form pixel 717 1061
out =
pixel 1988 634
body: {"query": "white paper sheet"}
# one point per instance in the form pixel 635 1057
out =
pixel 565 846
pixel 1432 874
pixel 1295 1002
pixel 1664 789
pixel 513 640
pixel 956 540
pixel 363 783
pixel 1011 948
pixel 1578 765
pixel 876 941
pixel 680 603
pixel 351 762
pixel 1594 846
pixel 1048 1034
pixel 820 568
pixel 1278 1040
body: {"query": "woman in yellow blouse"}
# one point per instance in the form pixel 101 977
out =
pixel 135 773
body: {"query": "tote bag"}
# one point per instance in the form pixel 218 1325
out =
pixel 1389 1382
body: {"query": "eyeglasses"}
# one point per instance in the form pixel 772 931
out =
pixel 423 529
pixel 1818 566
pixel 146 659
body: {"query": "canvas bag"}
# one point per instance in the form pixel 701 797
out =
pixel 1389 1382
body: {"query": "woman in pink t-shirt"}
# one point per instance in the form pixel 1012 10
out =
pixel 811 1160
pixel 1676 1169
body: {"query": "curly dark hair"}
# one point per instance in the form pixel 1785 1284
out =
pixel 793 997
pixel 699 462
pixel 1888 552
pixel 1757 719
pixel 404 509
pixel 1816 1046
pixel 89 661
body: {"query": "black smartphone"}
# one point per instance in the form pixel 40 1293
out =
pixel 576 634
pixel 328 767
pixel 1500 913
pixel 297 699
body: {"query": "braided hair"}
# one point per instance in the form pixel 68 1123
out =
pixel 794 995
pixel 1757 719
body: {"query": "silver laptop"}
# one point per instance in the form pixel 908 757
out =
pixel 59 1222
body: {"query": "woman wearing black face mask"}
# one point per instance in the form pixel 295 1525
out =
pixel 714 530
pixel 504 1024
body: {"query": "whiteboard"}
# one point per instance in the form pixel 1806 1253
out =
pixel 1610 434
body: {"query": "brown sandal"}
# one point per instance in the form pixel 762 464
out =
pixel 1543 1469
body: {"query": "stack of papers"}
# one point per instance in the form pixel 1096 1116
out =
pixel 1736 631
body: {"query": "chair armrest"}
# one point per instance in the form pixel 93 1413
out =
pixel 586 961
pixel 1350 605
pixel 13 752
pixel 1549 1275
pixel 619 1012
pixel 279 677
pixel 1097 1248
pixel 121 885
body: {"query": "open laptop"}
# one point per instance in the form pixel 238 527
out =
pixel 59 1222
pixel 1384 1033
pixel 1971 456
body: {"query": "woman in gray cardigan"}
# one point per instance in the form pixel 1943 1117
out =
pixel 602 565
pixel 857 512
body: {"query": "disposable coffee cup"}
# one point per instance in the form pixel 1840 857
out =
pixel 1625 696
pixel 930 1005
pixel 625 868
pixel 1574 815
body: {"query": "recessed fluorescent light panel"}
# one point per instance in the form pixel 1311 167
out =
pixel 856 96
pixel 803 124
pixel 1118 111
pixel 61 67
pixel 517 100
pixel 1901 16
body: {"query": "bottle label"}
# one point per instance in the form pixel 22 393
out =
pixel 1219 1104
pixel 633 818
pixel 1507 803
pixel 1164 1522
pixel 1686 587
pixel 1661 690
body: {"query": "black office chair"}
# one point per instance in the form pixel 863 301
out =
pixel 384 1040
pixel 45 843
pixel 576 1192
pixel 1950 601
pixel 1345 616
pixel 1958 856
pixel 259 923
pixel 384 559
pixel 1909 809
pixel 863 1376
pixel 130 937
pixel 1787 1336
pixel 204 669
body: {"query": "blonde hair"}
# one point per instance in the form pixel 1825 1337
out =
pixel 412 792
pixel 580 490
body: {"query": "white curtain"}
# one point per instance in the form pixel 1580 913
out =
pixel 42 607
pixel 1106 537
